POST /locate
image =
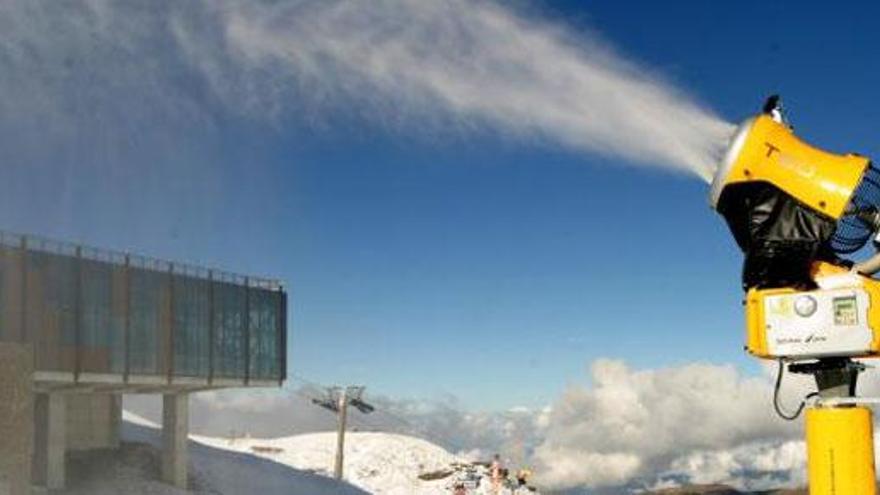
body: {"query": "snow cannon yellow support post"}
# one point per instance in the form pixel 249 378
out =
pixel 795 211
pixel 840 451
pixel 840 433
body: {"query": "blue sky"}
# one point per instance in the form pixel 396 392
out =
pixel 470 264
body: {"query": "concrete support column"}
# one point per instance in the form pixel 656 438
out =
pixel 115 421
pixel 50 438
pixel 175 430
pixel 16 419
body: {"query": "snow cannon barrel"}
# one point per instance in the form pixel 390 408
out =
pixel 766 151
pixel 789 204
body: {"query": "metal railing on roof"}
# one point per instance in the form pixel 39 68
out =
pixel 120 258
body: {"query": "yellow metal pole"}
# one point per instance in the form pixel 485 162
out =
pixel 840 451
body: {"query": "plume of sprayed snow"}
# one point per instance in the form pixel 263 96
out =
pixel 476 62
pixel 113 75
pixel 101 112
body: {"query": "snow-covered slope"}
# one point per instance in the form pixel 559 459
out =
pixel 378 463
pixel 381 463
pixel 212 470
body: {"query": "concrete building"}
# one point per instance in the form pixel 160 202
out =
pixel 96 324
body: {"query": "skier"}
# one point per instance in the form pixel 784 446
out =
pixel 496 474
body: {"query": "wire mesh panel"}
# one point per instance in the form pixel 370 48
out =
pixel 148 312
pixel 264 340
pixel 853 232
pixel 50 318
pixel 229 330
pixel 102 313
pixel 11 308
pixel 191 326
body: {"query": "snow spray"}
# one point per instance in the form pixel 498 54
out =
pixel 484 64
pixel 462 64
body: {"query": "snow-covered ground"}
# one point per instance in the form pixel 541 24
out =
pixel 378 463
pixel 215 471
pixel 381 463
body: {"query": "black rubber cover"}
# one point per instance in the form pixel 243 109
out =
pixel 780 236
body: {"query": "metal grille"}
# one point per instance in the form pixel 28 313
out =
pixel 852 232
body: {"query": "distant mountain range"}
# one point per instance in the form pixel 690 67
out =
pixel 723 490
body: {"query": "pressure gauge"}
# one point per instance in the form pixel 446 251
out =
pixel 805 306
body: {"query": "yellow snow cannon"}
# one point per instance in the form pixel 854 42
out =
pixel 796 211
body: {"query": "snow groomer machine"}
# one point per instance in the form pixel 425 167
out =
pixel 801 215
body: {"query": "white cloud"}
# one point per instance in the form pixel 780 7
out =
pixel 754 466
pixel 638 424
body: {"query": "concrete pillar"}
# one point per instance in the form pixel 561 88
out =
pixel 16 419
pixel 115 421
pixel 175 430
pixel 50 435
